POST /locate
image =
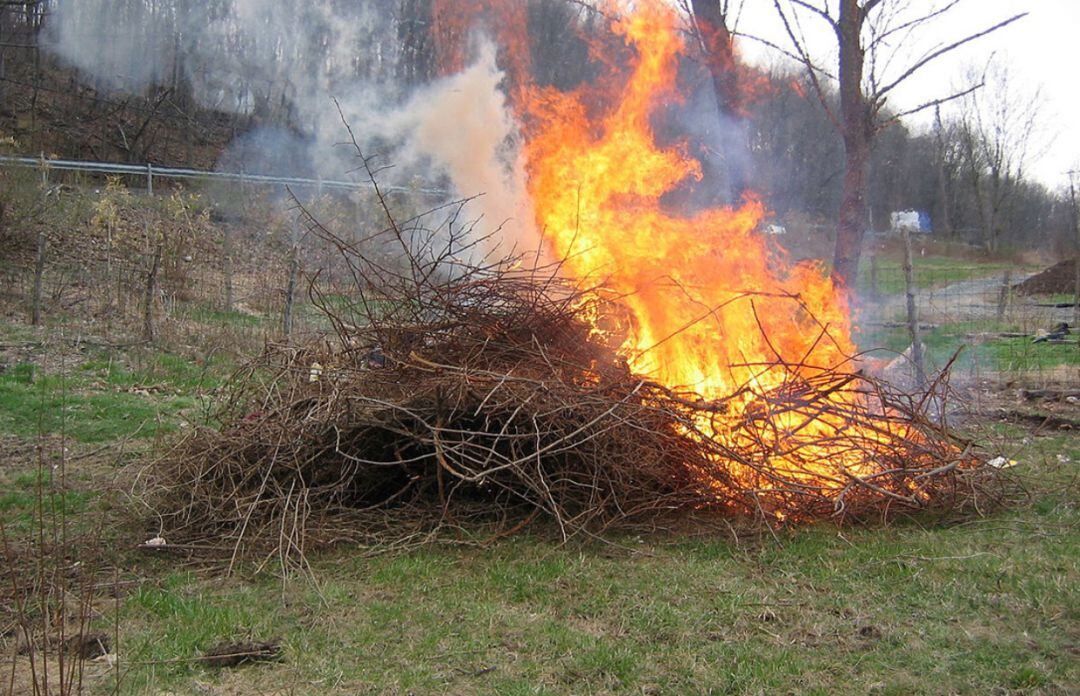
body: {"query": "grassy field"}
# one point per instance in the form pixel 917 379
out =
pixel 987 605
pixel 928 272
pixel 1011 355
pixel 900 610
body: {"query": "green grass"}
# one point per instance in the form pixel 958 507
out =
pixel 1003 354
pixel 1056 298
pixel 928 272
pixel 52 405
pixel 82 409
pixel 217 317
pixel 992 604
pixel 94 399
pixel 103 399
pixel 30 497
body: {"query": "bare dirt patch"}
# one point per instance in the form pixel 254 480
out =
pixel 1059 278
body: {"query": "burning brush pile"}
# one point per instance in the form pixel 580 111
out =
pixel 455 393
pixel 661 363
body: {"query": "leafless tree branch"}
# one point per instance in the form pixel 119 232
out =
pixel 918 65
pixel 804 58
pixel 931 104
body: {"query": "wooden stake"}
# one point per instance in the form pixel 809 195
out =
pixel 39 274
pixel 290 290
pixel 228 268
pixel 149 332
pixel 913 310
pixel 1003 296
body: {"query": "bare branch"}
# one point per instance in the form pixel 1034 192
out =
pixel 915 22
pixel 804 58
pixel 824 14
pixel 786 53
pixel 944 50
pixel 930 104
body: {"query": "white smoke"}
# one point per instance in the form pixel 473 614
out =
pixel 288 61
pixel 464 125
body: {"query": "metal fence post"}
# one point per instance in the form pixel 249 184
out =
pixel 150 178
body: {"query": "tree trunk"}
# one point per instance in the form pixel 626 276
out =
pixel 852 223
pixel 989 220
pixel 719 52
pixel 857 129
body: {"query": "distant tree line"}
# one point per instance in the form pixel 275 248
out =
pixel 969 172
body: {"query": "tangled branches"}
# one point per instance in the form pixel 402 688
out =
pixel 456 389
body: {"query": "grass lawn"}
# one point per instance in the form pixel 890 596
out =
pixel 998 354
pixel 928 272
pixel 99 402
pixel 986 606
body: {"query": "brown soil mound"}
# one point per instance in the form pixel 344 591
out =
pixel 1059 278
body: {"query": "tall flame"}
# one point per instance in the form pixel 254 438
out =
pixel 691 283
pixel 711 311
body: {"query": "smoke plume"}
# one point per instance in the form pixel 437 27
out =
pixel 287 63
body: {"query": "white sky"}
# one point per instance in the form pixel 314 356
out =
pixel 1042 52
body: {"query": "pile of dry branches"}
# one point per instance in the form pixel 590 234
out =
pixel 454 390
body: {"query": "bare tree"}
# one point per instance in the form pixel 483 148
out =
pixel 942 176
pixel 873 37
pixel 997 139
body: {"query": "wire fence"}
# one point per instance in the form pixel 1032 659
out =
pixel 244 270
pixel 979 308
pixel 149 173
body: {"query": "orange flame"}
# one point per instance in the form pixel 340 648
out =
pixel 710 309
pixel 597 190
